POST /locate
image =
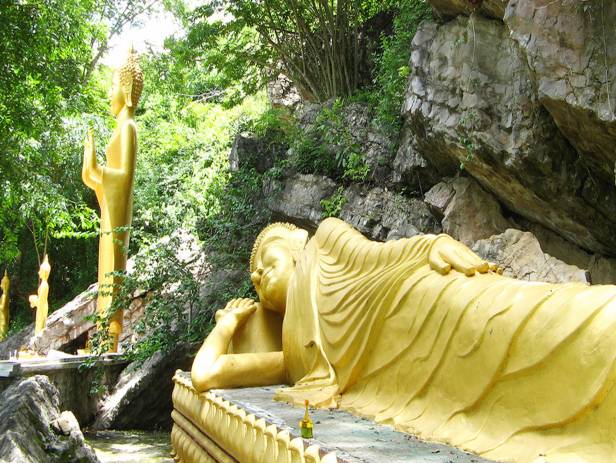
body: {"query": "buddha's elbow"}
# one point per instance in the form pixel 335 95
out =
pixel 204 379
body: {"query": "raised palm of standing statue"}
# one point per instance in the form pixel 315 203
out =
pixel 422 334
pixel 113 184
pixel 39 300
pixel 4 305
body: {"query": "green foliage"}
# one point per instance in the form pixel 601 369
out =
pixel 183 182
pixel 334 204
pixel 50 91
pixel 467 126
pixel 392 68
pixel 327 147
pixel 321 46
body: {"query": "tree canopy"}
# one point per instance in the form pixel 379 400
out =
pixel 202 89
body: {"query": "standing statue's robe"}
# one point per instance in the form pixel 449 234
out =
pixel 509 369
pixel 115 198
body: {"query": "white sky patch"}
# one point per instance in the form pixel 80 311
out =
pixel 150 31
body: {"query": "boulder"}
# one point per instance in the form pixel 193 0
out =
pixel 141 398
pixel 66 423
pixel 602 270
pixel 411 171
pixel 520 256
pixel 489 8
pixel 299 201
pixel 283 94
pixel 468 212
pixel 569 47
pixel 384 215
pixel 472 103
pixel 32 429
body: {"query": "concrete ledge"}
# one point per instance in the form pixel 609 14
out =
pixel 352 439
pixel 42 366
pixel 79 389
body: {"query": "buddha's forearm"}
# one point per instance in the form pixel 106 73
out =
pixel 215 345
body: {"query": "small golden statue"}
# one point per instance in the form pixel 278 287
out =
pixel 424 335
pixel 4 305
pixel 38 301
pixel 113 184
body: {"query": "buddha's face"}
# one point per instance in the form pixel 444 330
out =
pixel 116 95
pixel 272 275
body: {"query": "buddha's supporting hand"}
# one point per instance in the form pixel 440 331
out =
pixel 446 254
pixel 242 307
pixel 206 368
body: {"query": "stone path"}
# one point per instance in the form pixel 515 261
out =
pixel 131 446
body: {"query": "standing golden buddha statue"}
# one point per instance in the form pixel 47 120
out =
pixel 113 184
pixel 38 301
pixel 4 306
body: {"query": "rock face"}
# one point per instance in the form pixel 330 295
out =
pixel 299 201
pixel 569 48
pixel 490 8
pixel 33 430
pixel 520 256
pixel 467 211
pixel 141 398
pixel 355 123
pixel 472 101
pixel 383 215
pixel 283 94
pixel 250 152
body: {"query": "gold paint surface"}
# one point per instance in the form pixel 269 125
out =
pixel 208 428
pixel 39 301
pixel 4 305
pixel 113 185
pixel 423 335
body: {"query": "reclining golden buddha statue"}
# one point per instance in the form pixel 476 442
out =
pixel 423 335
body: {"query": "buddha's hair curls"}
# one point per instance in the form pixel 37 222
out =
pixel 269 230
pixel 131 78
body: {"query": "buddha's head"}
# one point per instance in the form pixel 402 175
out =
pixel 45 269
pixel 272 263
pixel 5 282
pixel 127 84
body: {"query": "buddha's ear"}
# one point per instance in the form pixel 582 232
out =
pixel 128 93
pixel 299 238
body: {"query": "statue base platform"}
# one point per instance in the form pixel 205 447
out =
pixel 246 425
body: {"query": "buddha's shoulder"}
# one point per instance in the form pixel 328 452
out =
pixel 333 227
pixel 129 128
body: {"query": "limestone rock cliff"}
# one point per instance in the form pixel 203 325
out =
pixel 475 102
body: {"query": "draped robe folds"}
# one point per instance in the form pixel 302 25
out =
pixel 115 197
pixel 511 370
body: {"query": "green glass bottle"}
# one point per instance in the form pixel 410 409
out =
pixel 305 425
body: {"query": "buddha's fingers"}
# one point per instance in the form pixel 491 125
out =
pixel 461 262
pixel 232 303
pixel 246 302
pixel 438 263
pixel 495 268
pixel 480 265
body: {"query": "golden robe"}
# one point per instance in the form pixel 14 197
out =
pixel 511 370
